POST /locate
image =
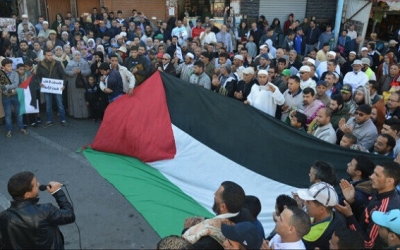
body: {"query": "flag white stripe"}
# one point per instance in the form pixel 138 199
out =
pixel 198 171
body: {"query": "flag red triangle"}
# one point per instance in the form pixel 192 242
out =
pixel 137 125
pixel 25 84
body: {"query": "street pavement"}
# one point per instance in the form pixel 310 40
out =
pixel 105 218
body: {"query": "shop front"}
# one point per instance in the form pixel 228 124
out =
pixel 384 21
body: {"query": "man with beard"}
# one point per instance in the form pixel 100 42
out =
pixel 200 77
pixel 310 105
pixel 265 96
pixel 306 80
pixel 25 52
pixel 356 77
pixel 324 130
pixel 245 85
pixel 346 67
pixel 333 85
pixel 226 83
pixel 361 96
pixel 359 170
pixel 264 62
pixel 339 110
pixel 384 145
pixel 228 203
pixel 185 69
pixel 361 126
pixel 347 95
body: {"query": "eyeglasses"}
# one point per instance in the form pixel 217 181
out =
pixel 359 114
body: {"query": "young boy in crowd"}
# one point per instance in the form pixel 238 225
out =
pixel 298 120
pixel 9 81
pixel 92 97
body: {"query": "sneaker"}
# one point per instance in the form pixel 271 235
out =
pixel 8 134
pixel 48 124
pixel 34 124
pixel 64 123
pixel 24 131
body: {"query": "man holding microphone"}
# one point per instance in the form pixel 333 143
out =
pixel 28 225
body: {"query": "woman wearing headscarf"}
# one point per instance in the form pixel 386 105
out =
pixel 76 96
pixel 101 49
pixel 91 45
pixel 86 55
pixel 59 55
pixel 384 67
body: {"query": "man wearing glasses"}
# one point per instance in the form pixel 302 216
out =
pixel 166 66
pixel 361 126
pixel 392 106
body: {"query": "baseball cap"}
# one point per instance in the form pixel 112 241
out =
pixel 322 192
pixel 393 42
pixel 286 72
pixel 152 52
pixel 159 37
pixel 359 62
pixel 52 32
pixel 265 56
pixel 24 16
pixel 364 48
pixel 365 108
pixel 390 220
pixel 248 70
pixel 322 82
pixel 353 52
pixel 263 46
pixel 245 233
pixel 365 61
pixel 305 68
pixel 45 22
pixel 347 89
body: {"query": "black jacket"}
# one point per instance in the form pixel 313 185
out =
pixel 53 70
pixel 28 225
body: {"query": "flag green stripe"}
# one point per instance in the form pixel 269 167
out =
pixel 161 203
pixel 21 99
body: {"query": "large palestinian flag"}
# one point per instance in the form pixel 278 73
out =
pixel 171 145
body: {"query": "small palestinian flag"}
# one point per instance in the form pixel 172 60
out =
pixel 27 97
pixel 170 146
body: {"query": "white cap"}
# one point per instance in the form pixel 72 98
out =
pixel 24 16
pixel 45 22
pixel 122 34
pixel 122 48
pixel 262 72
pixel 310 60
pixel 263 46
pixel 190 55
pixel 305 68
pixel 353 52
pixel 357 62
pixel 239 57
pixel 332 53
pixel 248 70
pixel 321 192
pixel 64 32
pixel 364 48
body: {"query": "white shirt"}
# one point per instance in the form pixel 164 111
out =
pixel 355 79
pixel 310 83
pixel 352 34
pixel 208 38
pixel 265 100
pixel 276 241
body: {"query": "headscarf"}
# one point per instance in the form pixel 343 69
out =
pixel 91 48
pixel 101 48
pixel 76 52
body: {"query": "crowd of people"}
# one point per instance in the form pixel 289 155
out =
pixel 295 73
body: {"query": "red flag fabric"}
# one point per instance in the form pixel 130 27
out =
pixel 127 115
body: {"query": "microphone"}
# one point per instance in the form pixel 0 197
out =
pixel 44 187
